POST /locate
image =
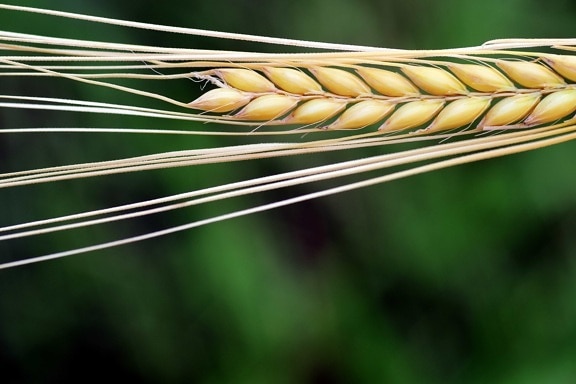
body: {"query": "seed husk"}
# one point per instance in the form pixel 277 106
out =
pixel 553 107
pixel 459 113
pixel 482 78
pixel 435 81
pixel 315 111
pixel 221 100
pixel 267 107
pixel 292 80
pixel 340 82
pixel 509 110
pixel 246 80
pixel 362 114
pixel 564 65
pixel 531 75
pixel 412 114
pixel 388 83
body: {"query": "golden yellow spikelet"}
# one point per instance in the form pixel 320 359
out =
pixel 340 82
pixel 482 78
pixel 315 111
pixel 388 83
pixel 221 100
pixel 267 107
pixel 292 80
pixel 531 75
pixel 459 113
pixel 553 107
pixel 246 80
pixel 435 81
pixel 412 115
pixel 510 110
pixel 564 65
pixel 362 114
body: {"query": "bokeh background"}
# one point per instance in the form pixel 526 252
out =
pixel 465 275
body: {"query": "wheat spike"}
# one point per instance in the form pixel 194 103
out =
pixel 404 96
pixel 419 92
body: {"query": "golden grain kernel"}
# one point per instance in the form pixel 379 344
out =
pixel 220 100
pixel 362 114
pixel 482 78
pixel 435 81
pixel 531 75
pixel 292 80
pixel 553 107
pixel 388 83
pixel 564 65
pixel 267 107
pixel 340 82
pixel 245 80
pixel 459 113
pixel 510 110
pixel 315 111
pixel 412 115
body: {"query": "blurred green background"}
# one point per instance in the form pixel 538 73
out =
pixel 466 275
